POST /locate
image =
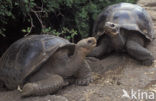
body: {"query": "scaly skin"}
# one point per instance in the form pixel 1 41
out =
pixel 84 76
pixel 44 87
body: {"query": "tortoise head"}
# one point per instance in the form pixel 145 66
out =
pixel 111 29
pixel 87 44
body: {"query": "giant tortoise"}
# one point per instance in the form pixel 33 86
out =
pixel 124 27
pixel 41 64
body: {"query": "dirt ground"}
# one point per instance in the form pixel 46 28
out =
pixel 112 75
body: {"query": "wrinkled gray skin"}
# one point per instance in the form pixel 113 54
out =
pixel 66 63
pixel 124 27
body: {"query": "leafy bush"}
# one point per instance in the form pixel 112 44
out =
pixel 65 18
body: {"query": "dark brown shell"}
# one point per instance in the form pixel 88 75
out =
pixel 128 16
pixel 26 55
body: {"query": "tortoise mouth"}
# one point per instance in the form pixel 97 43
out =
pixel 94 45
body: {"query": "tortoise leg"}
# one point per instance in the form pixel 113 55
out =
pixel 84 75
pixel 43 87
pixel 140 53
pixel 11 84
pixel 2 86
pixel 101 49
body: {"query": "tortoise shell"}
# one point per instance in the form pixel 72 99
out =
pixel 26 55
pixel 128 16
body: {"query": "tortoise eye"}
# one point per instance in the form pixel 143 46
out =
pixel 89 41
pixel 112 25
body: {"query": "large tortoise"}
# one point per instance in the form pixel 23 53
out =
pixel 124 27
pixel 41 64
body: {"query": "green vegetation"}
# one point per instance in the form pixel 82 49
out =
pixel 65 18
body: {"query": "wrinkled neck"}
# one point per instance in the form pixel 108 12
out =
pixel 79 54
pixel 118 41
pixel 118 38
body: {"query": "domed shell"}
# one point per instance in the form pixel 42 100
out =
pixel 128 16
pixel 26 55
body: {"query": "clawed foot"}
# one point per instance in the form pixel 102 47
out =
pixel 148 62
pixel 28 89
pixel 84 82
